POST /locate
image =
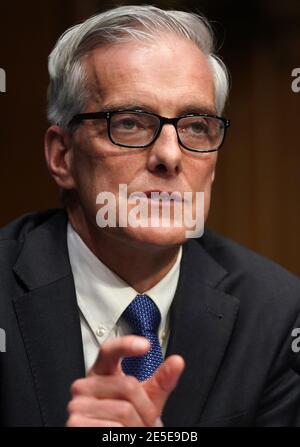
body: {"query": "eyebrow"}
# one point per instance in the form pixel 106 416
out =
pixel 127 106
pixel 197 108
pixel 185 110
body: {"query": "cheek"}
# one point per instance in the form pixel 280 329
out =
pixel 201 173
pixel 200 178
pixel 103 169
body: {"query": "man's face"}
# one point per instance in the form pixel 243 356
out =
pixel 170 78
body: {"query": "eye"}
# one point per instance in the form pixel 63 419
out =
pixel 127 123
pixel 193 126
pixel 197 127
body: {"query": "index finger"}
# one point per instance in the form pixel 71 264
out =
pixel 113 350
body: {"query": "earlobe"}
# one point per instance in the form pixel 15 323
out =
pixel 58 154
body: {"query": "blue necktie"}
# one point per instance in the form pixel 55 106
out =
pixel 143 316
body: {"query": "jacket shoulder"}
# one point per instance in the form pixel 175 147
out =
pixel 18 229
pixel 251 274
pixel 13 235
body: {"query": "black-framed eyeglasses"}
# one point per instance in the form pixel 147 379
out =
pixel 138 129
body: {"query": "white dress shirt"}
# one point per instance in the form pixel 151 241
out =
pixel 103 296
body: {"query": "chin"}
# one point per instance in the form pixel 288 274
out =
pixel 164 237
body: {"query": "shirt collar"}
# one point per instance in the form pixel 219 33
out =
pixel 102 295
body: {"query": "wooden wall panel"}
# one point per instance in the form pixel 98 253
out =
pixel 257 186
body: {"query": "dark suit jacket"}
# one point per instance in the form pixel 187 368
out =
pixel 231 320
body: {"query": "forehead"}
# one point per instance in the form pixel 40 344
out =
pixel 169 74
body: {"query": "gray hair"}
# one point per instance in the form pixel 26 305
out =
pixel 68 92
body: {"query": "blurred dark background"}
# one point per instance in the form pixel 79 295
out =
pixel 256 191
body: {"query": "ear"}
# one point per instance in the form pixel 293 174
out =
pixel 58 154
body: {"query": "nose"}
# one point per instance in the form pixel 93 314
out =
pixel 165 154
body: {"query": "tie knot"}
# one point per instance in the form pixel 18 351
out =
pixel 142 314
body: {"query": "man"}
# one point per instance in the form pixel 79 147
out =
pixel 139 325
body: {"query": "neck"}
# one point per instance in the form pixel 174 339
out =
pixel 140 265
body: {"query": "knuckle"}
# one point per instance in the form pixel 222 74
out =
pixel 74 406
pixel 105 349
pixel 78 387
pixel 129 385
pixel 126 410
pixel 74 421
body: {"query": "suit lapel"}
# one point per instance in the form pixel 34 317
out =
pixel 48 317
pixel 202 319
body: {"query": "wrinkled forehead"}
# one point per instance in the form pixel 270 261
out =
pixel 172 69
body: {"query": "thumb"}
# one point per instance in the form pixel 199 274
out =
pixel 165 379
